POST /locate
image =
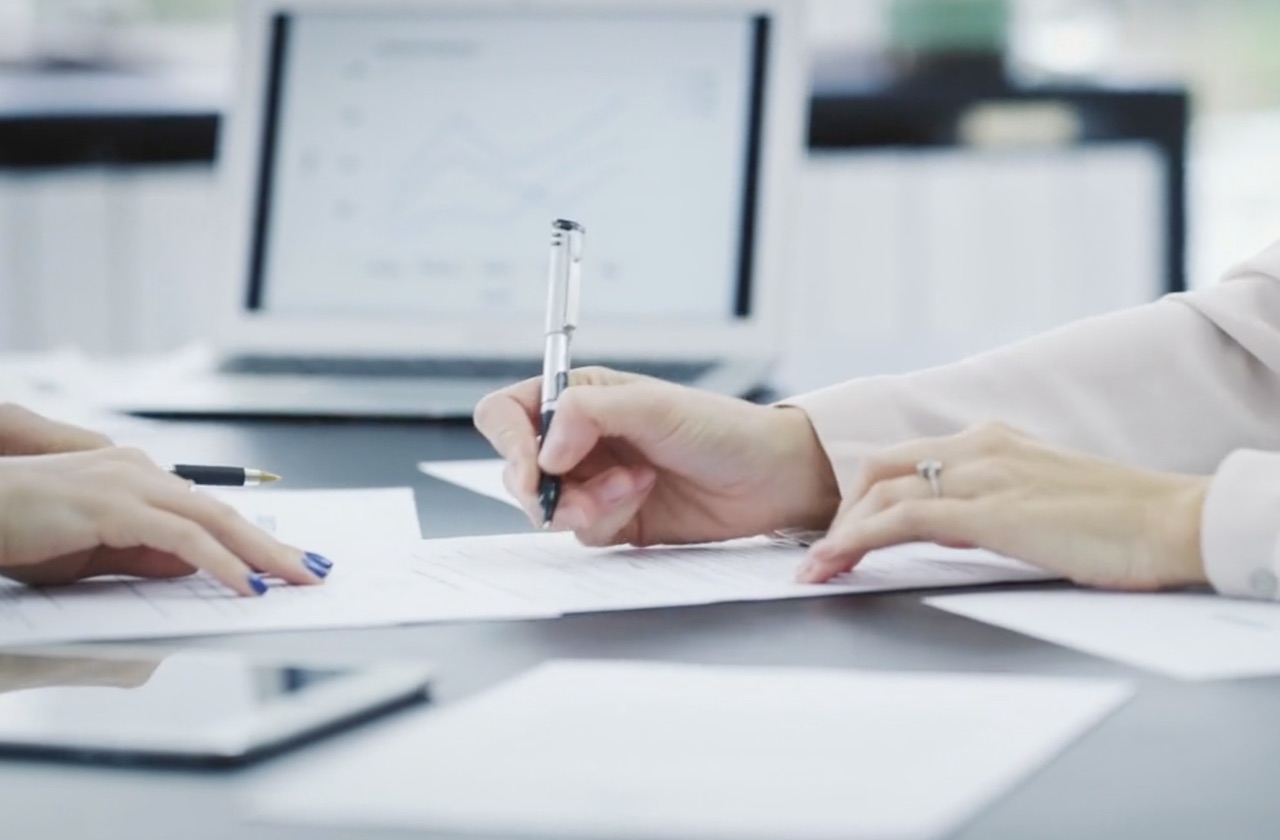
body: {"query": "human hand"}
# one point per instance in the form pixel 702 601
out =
pixel 1093 521
pixel 114 512
pixel 646 462
pixel 24 432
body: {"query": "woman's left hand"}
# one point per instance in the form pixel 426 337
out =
pixel 1095 522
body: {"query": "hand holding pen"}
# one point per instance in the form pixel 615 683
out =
pixel 562 319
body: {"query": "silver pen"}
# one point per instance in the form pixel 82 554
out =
pixel 562 320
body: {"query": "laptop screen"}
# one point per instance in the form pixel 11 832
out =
pixel 413 162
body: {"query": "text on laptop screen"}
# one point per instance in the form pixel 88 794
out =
pixel 413 163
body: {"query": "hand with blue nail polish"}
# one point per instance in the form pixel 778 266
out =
pixel 112 511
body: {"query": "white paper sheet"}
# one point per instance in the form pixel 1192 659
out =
pixel 317 520
pixel 483 476
pixel 1191 636
pixel 651 750
pixel 555 571
pixel 374 581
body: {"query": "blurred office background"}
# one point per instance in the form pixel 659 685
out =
pixel 916 247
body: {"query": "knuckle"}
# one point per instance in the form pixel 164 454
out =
pixel 189 539
pixel 993 436
pixel 108 473
pixel 591 375
pixel 132 455
pixel 871 469
pixel 1000 469
pixel 912 515
pixel 879 496
pixel 222 514
pixel 482 417
pixel 97 440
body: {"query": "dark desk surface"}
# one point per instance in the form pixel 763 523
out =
pixel 1181 761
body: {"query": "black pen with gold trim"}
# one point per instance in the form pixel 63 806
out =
pixel 222 476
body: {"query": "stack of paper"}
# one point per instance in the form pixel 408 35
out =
pixel 617 750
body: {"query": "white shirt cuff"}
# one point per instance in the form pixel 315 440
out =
pixel 1240 526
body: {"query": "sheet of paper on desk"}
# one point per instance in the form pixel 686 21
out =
pixel 374 581
pixel 1188 635
pixel 483 476
pixel 610 750
pixel 555 571
pixel 317 519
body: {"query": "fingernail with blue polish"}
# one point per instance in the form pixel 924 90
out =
pixel 258 584
pixel 320 560
pixel 319 566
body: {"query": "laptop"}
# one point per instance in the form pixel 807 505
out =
pixel 392 169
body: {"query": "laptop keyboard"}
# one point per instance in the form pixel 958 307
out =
pixel 442 368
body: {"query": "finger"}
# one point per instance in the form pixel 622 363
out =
pixel 506 419
pixel 964 480
pixel 642 412
pixel 583 504
pixel 883 495
pixel 618 497
pixel 23 432
pixel 944 521
pixel 599 461
pixel 985 441
pixel 509 418
pixel 524 493
pixel 254 546
pixel 133 525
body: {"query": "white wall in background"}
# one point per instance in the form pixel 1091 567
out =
pixel 111 261
pixel 914 258
pixel 904 258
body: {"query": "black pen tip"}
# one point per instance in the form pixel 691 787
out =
pixel 548 496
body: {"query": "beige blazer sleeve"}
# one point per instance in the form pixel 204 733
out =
pixel 1190 383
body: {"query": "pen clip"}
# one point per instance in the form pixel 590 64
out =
pixel 566 270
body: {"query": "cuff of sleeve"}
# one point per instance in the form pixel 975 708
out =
pixel 851 421
pixel 1240 526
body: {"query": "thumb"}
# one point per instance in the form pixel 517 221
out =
pixel 642 413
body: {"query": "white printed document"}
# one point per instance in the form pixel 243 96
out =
pixel 650 750
pixel 1193 636
pixel 482 476
pixel 555 571
pixel 374 581
pixel 322 520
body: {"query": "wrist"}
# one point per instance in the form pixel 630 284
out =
pixel 807 491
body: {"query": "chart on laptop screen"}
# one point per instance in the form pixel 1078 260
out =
pixel 418 161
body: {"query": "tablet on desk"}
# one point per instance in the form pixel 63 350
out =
pixel 193 707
